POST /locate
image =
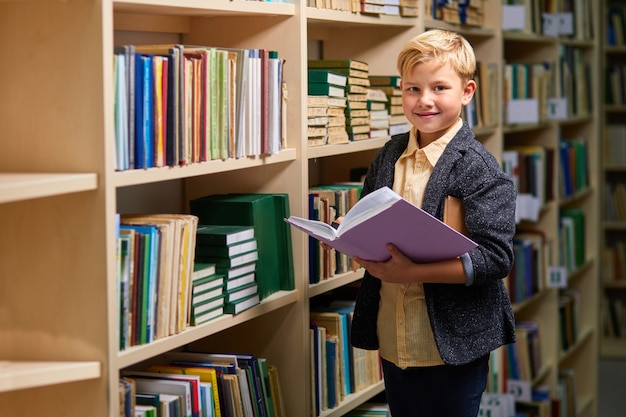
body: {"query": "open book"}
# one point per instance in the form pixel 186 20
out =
pixel 383 217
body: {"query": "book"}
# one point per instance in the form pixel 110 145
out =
pixel 325 89
pixel 223 234
pixel 241 292
pixel 327 76
pixel 203 269
pixel 206 283
pixel 227 250
pixel 232 261
pixel 241 305
pixel 337 63
pixel 383 217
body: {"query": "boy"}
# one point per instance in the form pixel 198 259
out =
pixel 435 324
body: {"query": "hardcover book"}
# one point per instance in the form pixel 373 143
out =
pixel 383 217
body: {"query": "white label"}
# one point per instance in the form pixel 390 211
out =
pixel 513 17
pixel 523 111
pixel 557 277
pixel 557 108
pixel 521 390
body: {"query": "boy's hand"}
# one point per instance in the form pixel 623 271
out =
pixel 397 269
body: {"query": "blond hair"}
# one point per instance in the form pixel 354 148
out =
pixel 442 47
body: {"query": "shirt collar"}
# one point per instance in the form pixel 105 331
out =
pixel 433 150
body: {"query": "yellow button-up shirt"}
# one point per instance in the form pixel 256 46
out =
pixel 404 332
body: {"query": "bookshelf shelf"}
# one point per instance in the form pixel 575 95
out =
pixel 58 154
pixel 468 31
pixel 345 148
pixel 24 186
pixel 154 175
pixel 353 400
pixel 520 36
pixel 335 282
pixel 203 8
pixel 19 375
pixel 317 16
pixel 141 353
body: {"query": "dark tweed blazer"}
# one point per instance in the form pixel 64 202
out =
pixel 468 321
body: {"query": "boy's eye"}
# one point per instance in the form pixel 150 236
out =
pixel 440 88
pixel 413 89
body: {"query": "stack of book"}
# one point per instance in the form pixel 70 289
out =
pixel 409 8
pixel 232 249
pixel 390 85
pixel 331 108
pixel 207 293
pixel 265 212
pixel 356 112
pixel 379 115
pixel 322 127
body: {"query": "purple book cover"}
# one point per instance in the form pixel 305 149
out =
pixel 417 234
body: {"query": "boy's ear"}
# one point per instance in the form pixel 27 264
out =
pixel 468 92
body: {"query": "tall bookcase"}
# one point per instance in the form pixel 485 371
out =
pixel 612 174
pixel 571 59
pixel 59 192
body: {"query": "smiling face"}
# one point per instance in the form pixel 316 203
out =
pixel 432 98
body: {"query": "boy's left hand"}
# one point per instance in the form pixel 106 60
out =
pixel 397 269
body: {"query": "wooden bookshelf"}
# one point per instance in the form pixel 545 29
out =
pixel 612 174
pixel 549 132
pixel 60 193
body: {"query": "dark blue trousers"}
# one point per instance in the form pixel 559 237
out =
pixel 436 391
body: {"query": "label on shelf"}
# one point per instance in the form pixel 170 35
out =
pixel 557 277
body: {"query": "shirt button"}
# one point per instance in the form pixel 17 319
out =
pixel 419 164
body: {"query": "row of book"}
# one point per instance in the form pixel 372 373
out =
pixel 569 317
pixel 405 8
pixel 177 104
pixel 614 261
pixel 572 239
pixel 155 264
pixel 189 384
pixel 485 107
pixel 325 203
pixel 574 166
pixel 531 169
pixel 529 273
pixel 177 270
pixel 615 84
pixel 337 368
pixel 457 11
pixel 569 18
pixel 527 88
pixel 524 360
pixel 613 317
pixel 616 25
pixel 614 202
